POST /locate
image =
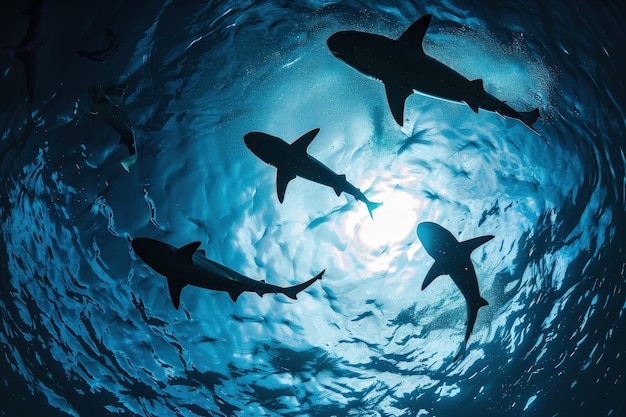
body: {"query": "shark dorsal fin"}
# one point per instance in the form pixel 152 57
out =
pixel 302 143
pixel 414 35
pixel 175 286
pixel 202 252
pixel 188 250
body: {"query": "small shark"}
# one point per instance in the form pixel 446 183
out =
pixel 403 66
pixel 189 266
pixel 101 55
pixel 109 104
pixel 28 49
pixel 292 160
pixel 453 258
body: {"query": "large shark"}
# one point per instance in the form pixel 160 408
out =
pixel 108 102
pixel 188 266
pixel 453 258
pixel 404 68
pixel 292 160
pixel 28 49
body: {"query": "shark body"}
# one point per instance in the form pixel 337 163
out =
pixel 404 68
pixel 28 49
pixel 108 103
pixel 188 266
pixel 453 258
pixel 292 160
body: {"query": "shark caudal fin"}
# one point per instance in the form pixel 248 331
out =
pixel 175 286
pixel 371 206
pixel 292 292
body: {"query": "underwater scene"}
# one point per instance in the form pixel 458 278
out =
pixel 312 208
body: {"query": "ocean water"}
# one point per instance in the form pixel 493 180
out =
pixel 88 329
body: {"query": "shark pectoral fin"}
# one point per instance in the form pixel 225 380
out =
pixel 282 179
pixel 301 144
pixel 175 286
pixel 234 294
pixel 414 35
pixel 436 270
pixel 468 246
pixel 188 250
pixel 396 96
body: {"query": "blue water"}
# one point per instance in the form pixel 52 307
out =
pixel 88 329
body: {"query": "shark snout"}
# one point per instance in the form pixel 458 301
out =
pixel 149 249
pixel 342 44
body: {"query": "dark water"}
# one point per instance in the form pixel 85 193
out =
pixel 88 329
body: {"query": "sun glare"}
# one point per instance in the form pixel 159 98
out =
pixel 393 222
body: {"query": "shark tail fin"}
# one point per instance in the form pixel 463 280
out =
pixel 292 292
pixel 468 246
pixel 175 286
pixel 371 206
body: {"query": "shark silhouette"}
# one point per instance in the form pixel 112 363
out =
pixel 108 102
pixel 292 160
pixel 188 266
pixel 101 55
pixel 28 49
pixel 453 258
pixel 403 67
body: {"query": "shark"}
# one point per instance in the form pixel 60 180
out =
pixel 188 265
pixel 404 68
pixel 292 160
pixel 453 258
pixel 27 50
pixel 108 102
pixel 101 55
